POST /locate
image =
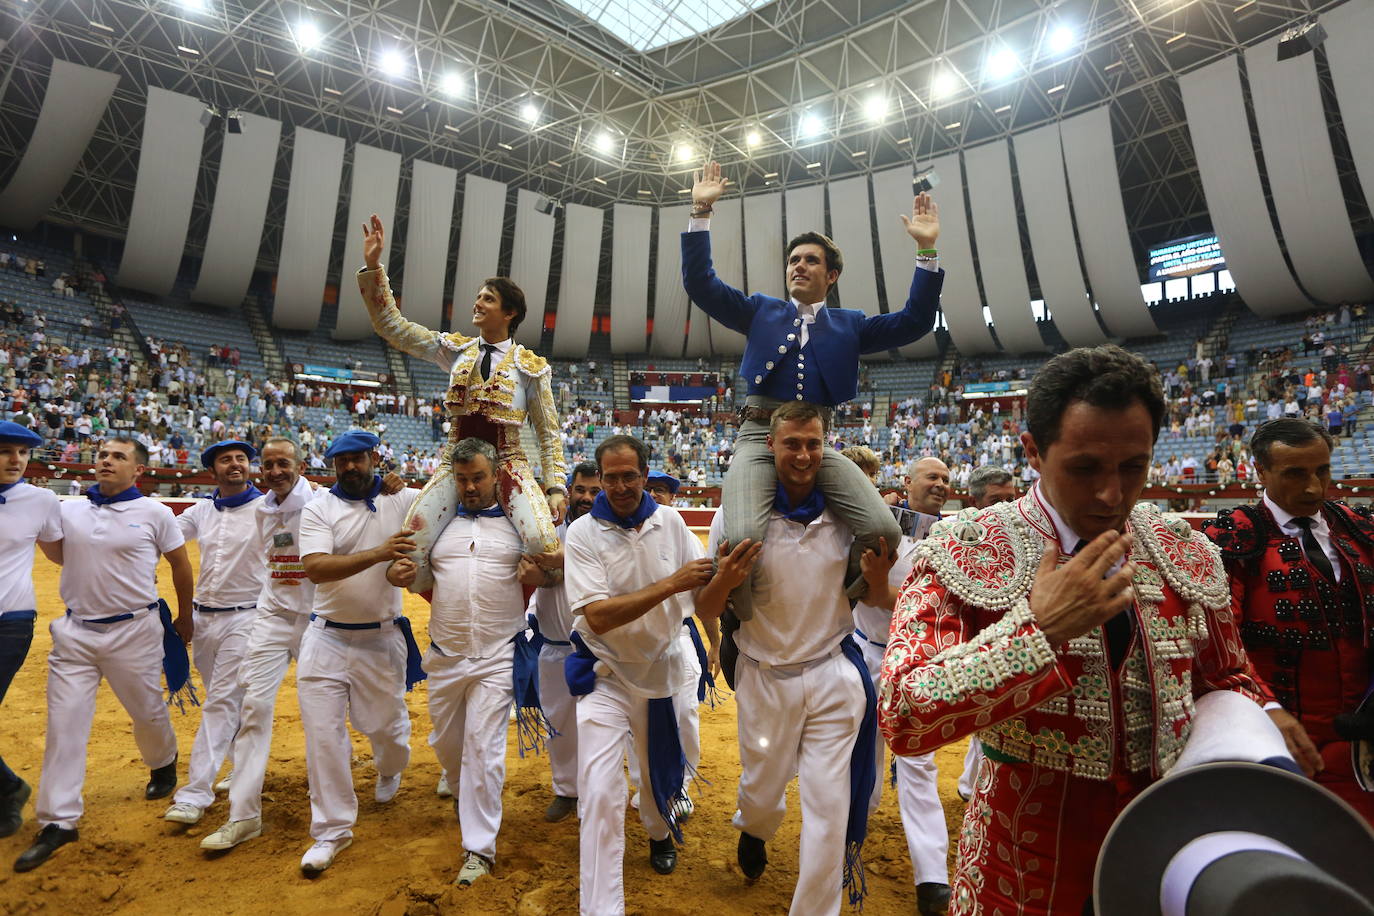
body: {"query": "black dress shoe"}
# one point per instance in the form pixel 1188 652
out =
pixel 12 808
pixel 162 781
pixel 44 845
pixel 932 898
pixel 752 856
pixel 663 855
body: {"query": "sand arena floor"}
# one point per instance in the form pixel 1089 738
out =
pixel 405 855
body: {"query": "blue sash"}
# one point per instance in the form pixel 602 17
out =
pixel 706 684
pixel 176 665
pixel 415 672
pixel 532 726
pixel 863 774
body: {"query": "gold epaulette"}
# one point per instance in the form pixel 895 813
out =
pixel 531 363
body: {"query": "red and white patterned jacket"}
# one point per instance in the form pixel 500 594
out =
pixel 965 655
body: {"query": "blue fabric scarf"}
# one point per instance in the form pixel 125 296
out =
pixel 415 672
pixel 532 726
pixel 807 511
pixel 489 512
pixel 601 508
pixel 706 684
pixel 6 488
pixel 176 664
pixel 863 774
pixel 100 499
pixel 233 502
pixel 368 498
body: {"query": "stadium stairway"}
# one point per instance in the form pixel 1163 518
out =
pixel 268 345
pixel 400 371
pixel 101 300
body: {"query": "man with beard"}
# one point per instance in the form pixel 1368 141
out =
pixel 553 623
pixel 918 791
pixel 28 514
pixel 231 575
pixel 357 654
pixel 115 629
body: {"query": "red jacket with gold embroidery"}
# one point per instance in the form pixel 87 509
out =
pixel 965 655
pixel 1309 637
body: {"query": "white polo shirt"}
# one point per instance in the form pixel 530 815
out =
pixel 603 560
pixel 478 604
pixel 29 514
pixel 285 587
pixel 110 554
pixel 551 605
pixel 340 526
pixel 231 567
pixel 875 622
pixel 800 609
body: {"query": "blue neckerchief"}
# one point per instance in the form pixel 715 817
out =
pixel 340 492
pixel 7 487
pixel 233 502
pixel 601 508
pixel 863 775
pixel 100 499
pixel 489 512
pixel 807 512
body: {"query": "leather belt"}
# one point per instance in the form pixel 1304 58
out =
pixel 335 625
pixel 757 414
pixel 206 609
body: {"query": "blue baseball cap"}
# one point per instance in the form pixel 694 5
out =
pixel 13 432
pixel 668 480
pixel 207 457
pixel 355 440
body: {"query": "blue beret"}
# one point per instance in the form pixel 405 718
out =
pixel 355 440
pixel 668 480
pixel 207 457
pixel 13 432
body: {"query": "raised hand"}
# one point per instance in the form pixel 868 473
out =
pixel 924 223
pixel 875 567
pixel 1072 599
pixel 734 565
pixel 374 242
pixel 707 185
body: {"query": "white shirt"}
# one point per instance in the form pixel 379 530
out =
pixel 231 567
pixel 334 525
pixel 478 603
pixel 285 587
pixel 800 609
pixel 875 622
pixel 551 606
pixel 1068 538
pixel 1320 530
pixel 603 560
pixel 29 514
pixel 110 554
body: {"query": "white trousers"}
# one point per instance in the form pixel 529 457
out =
pixel 688 709
pixel 218 649
pixel 273 641
pixel 803 721
pixel 606 718
pixel 561 710
pixel 129 655
pixel 469 710
pixel 918 799
pixel 973 758
pixel 344 676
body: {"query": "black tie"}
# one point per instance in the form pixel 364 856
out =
pixel 1315 555
pixel 1118 629
pixel 487 350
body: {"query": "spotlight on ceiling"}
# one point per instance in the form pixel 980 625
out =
pixel 453 83
pixel 1002 63
pixel 1301 39
pixel 530 112
pixel 195 6
pixel 605 142
pixel 392 63
pixel 944 83
pixel 1062 39
pixel 875 109
pixel 307 35
pixel 211 116
pixel 753 139
pixel 546 205
pixel 685 153
pixel 925 181
pixel 233 121
pixel 809 127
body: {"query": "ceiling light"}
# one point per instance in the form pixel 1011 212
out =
pixel 1062 39
pixel 450 127
pixel 605 142
pixel 1002 63
pixel 307 35
pixel 685 153
pixel 770 174
pixel 954 125
pixel 394 110
pixel 263 71
pixel 555 164
pixel 684 190
pixel 101 26
pixel 904 141
pixel 1112 66
pixel 197 6
pixel 644 192
pixel 530 112
pixel 859 152
pixel 1054 89
pixel 1244 6
pixel 875 109
pixel 453 83
pixel 505 146
pixel 1179 37
pixel 753 138
pixel 598 179
pixel 944 83
pixel 1002 109
pixel 188 52
pixel 392 63
pixel 813 165
pixel 809 126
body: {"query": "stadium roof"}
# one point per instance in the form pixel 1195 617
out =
pixel 648 24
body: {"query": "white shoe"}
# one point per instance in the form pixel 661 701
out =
pixel 181 813
pixel 683 808
pixel 474 867
pixel 387 787
pixel 223 784
pixel 320 856
pixel 232 834
pixel 634 800
pixel 442 789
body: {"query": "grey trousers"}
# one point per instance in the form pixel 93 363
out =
pixel 751 485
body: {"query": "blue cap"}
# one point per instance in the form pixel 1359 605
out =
pixel 207 457
pixel 355 440
pixel 13 432
pixel 668 480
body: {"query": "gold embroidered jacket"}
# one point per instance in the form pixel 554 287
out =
pixel 519 385
pixel 965 655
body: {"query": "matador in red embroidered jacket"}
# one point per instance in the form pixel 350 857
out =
pixel 1070 737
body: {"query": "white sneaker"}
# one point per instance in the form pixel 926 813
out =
pixel 387 787
pixel 634 800
pixel 474 867
pixel 223 784
pixel 320 856
pixel 683 808
pixel 232 834
pixel 181 813
pixel 442 789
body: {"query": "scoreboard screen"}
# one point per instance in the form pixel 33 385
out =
pixel 1184 257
